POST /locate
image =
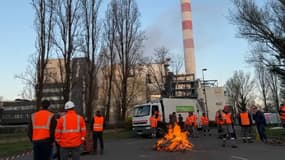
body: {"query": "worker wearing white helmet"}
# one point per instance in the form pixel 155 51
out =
pixel 70 132
pixel 69 105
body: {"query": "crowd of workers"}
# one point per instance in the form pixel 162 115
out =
pixel 192 124
pixel 67 130
pixel 199 125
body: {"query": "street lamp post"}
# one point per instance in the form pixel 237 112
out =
pixel 204 91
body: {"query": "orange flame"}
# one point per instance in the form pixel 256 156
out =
pixel 174 140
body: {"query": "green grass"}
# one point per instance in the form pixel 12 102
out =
pixel 11 144
pixel 279 133
pixel 14 148
pixel 6 135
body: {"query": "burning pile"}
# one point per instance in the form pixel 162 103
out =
pixel 173 141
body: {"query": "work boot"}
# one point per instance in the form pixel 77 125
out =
pixel 101 152
pixel 244 140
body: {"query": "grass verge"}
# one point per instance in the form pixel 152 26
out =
pixel 11 144
pixel 15 148
pixel 277 133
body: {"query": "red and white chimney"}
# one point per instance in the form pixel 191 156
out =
pixel 189 56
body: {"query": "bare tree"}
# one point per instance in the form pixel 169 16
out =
pixel 28 77
pixel 265 69
pixel 176 64
pixel 128 44
pixel 274 84
pixel 44 23
pixel 264 26
pixel 91 30
pixel 67 18
pixel 157 70
pixel 109 53
pixel 239 88
pixel 263 83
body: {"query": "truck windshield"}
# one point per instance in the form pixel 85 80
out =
pixel 141 111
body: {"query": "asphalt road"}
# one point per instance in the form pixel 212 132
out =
pixel 205 148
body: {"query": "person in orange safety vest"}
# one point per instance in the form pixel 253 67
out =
pixel 97 126
pixel 282 114
pixel 158 115
pixel 153 124
pixel 227 127
pixel 205 124
pixel 245 123
pixel 191 124
pixel 41 132
pixel 219 121
pixel 70 132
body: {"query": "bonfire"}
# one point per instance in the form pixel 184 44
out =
pixel 174 140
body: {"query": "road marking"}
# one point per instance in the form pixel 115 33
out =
pixel 240 158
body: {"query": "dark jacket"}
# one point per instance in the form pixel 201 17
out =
pixel 259 118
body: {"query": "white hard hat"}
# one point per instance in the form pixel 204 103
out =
pixel 69 105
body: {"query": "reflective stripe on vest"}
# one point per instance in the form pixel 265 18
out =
pixel 65 130
pixel 46 126
pixel 244 118
pixel 41 131
pixel 98 124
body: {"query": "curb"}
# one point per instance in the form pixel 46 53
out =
pixel 14 157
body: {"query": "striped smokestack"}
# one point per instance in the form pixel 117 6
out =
pixel 189 56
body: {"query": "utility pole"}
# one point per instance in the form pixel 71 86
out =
pixel 204 92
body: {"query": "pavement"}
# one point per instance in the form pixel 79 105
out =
pixel 205 148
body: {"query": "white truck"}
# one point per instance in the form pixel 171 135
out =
pixel 166 106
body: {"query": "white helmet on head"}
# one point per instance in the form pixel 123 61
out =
pixel 69 105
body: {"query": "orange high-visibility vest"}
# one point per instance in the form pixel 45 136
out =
pixel 41 124
pixel 70 130
pixel 219 121
pixel 98 123
pixel 282 113
pixel 190 120
pixel 204 120
pixel 244 119
pixel 228 118
pixel 153 121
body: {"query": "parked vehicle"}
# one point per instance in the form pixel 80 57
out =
pixel 166 106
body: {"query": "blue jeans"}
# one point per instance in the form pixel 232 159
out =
pixel 261 132
pixel 42 150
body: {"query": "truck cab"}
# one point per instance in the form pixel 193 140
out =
pixel 141 116
pixel 166 106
